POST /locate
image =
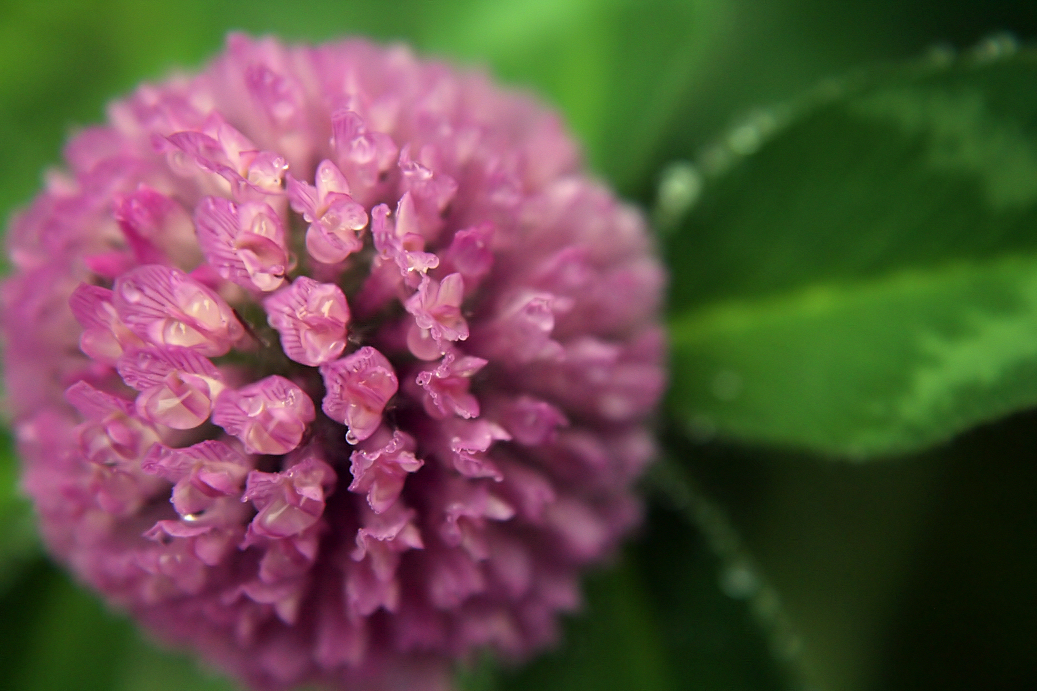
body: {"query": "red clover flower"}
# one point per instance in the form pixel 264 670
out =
pixel 331 364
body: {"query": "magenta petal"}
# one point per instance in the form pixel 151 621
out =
pixel 180 402
pixel 288 502
pixel 332 237
pixel 335 218
pixel 303 198
pixel 371 583
pixel 203 474
pixel 105 337
pixel 469 442
pixel 94 404
pixel 311 318
pixel 174 464
pixel 245 243
pixel 522 330
pixel 436 307
pixel 269 417
pixel 145 368
pixel 446 387
pixel 358 388
pixel 433 191
pixel 278 95
pixel 265 171
pixel 157 228
pixel 113 435
pixel 166 307
pixel 380 471
pixel 192 147
pixel 217 149
pixel 398 240
pixel 364 155
pixel 469 253
pixel 329 181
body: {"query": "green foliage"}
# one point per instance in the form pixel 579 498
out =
pixel 56 636
pixel 18 544
pixel 616 68
pixel 861 281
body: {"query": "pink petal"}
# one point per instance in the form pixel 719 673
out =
pixel 358 388
pixel 166 307
pixel 436 307
pixel 269 416
pixel 105 337
pixel 365 156
pixel 311 318
pixel 203 473
pixel 157 228
pixel 288 502
pixel 245 243
pixel 445 388
pixel 469 442
pixel 380 471
pixel 336 234
pixel 470 254
pixel 399 241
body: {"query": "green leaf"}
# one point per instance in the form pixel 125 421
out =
pixel 62 638
pixel 616 68
pixel 860 275
pixel 145 667
pixel 57 637
pixel 18 543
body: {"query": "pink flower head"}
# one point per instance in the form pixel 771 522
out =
pixel 331 364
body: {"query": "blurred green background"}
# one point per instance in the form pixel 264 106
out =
pixel 908 573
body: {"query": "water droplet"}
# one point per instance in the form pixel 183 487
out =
pixel 940 55
pixel 727 385
pixel 702 428
pixel 716 160
pixel 739 581
pixel 680 186
pixel 745 139
pixel 995 47
pixel 131 293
